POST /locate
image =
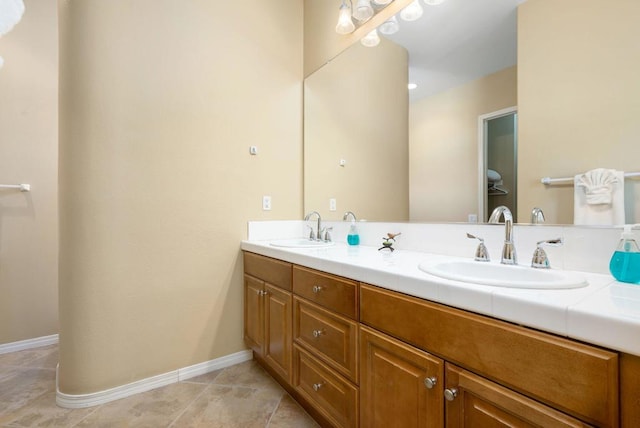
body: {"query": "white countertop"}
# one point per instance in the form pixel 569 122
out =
pixel 604 313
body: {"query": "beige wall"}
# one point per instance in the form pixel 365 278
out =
pixel 322 43
pixel 160 101
pixel 356 109
pixel 443 146
pixel 578 97
pixel 29 154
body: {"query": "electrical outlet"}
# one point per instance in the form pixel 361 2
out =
pixel 332 204
pixel 253 150
pixel 472 218
pixel 266 203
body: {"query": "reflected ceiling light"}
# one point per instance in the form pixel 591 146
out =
pixel 371 39
pixel 345 24
pixel 381 2
pixel 412 86
pixel 363 11
pixel 10 14
pixel 434 2
pixel 390 26
pixel 411 12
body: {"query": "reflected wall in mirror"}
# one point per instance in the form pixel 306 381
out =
pixel 578 102
pixel 355 135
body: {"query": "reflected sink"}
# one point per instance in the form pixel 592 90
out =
pixel 300 243
pixel 499 275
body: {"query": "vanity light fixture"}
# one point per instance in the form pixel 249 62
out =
pixel 11 12
pixel 434 2
pixel 381 2
pixel 363 11
pixel 411 12
pixel 345 23
pixel 411 86
pixel 371 39
pixel 390 26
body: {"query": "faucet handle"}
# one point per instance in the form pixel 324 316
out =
pixel 540 259
pixel 312 234
pixel 327 234
pixel 482 254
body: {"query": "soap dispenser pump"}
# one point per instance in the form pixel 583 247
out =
pixel 625 262
pixel 353 238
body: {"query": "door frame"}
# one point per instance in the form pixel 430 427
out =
pixel 482 156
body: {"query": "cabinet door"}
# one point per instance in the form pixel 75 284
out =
pixel 278 331
pixel 400 386
pixel 473 401
pixel 254 314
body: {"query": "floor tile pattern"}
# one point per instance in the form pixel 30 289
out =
pixel 243 395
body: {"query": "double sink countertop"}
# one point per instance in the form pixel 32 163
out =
pixel 604 313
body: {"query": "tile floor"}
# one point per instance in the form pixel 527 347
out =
pixel 243 395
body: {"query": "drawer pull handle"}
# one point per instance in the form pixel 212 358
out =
pixel 316 289
pixel 318 333
pixel 317 386
pixel 430 382
pixel 450 394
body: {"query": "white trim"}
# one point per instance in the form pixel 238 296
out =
pixel 482 156
pixel 79 401
pixel 28 344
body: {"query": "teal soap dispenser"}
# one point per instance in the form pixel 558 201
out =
pixel 625 262
pixel 353 238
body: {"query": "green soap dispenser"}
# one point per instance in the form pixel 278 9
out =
pixel 353 238
pixel 625 262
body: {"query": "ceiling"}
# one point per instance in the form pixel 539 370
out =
pixel 458 41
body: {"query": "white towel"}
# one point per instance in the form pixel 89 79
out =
pixel 599 197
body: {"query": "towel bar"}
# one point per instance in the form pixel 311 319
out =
pixel 22 187
pixel 549 180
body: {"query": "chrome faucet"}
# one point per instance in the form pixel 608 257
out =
pixel 347 214
pixel 537 216
pixel 508 249
pixel 314 235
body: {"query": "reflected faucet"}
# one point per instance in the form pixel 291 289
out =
pixel 314 235
pixel 537 216
pixel 508 250
pixel 346 215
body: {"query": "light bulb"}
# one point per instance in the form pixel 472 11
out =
pixel 390 26
pixel 411 86
pixel 371 39
pixel 345 24
pixel 433 2
pixel 363 11
pixel 411 12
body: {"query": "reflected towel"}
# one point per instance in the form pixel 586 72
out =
pixel 599 197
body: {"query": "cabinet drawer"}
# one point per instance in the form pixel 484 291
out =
pixel 332 395
pixel 269 270
pixel 333 292
pixel 331 336
pixel 573 377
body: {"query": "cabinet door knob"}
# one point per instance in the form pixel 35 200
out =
pixel 430 382
pixel 317 386
pixel 318 333
pixel 262 292
pixel 450 394
pixel 316 289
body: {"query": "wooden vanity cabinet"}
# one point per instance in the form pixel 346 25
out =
pixel 473 401
pixel 573 378
pixel 268 312
pixel 400 386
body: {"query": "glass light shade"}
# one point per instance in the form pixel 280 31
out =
pixel 345 24
pixel 390 26
pixel 382 2
pixel 411 12
pixel 363 11
pixel 433 2
pixel 412 86
pixel 371 39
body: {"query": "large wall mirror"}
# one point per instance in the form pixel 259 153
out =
pixel 569 69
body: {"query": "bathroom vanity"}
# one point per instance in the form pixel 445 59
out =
pixel 357 354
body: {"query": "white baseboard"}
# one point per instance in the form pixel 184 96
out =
pixel 28 344
pixel 101 397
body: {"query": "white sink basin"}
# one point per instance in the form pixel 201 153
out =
pixel 499 275
pixel 300 243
